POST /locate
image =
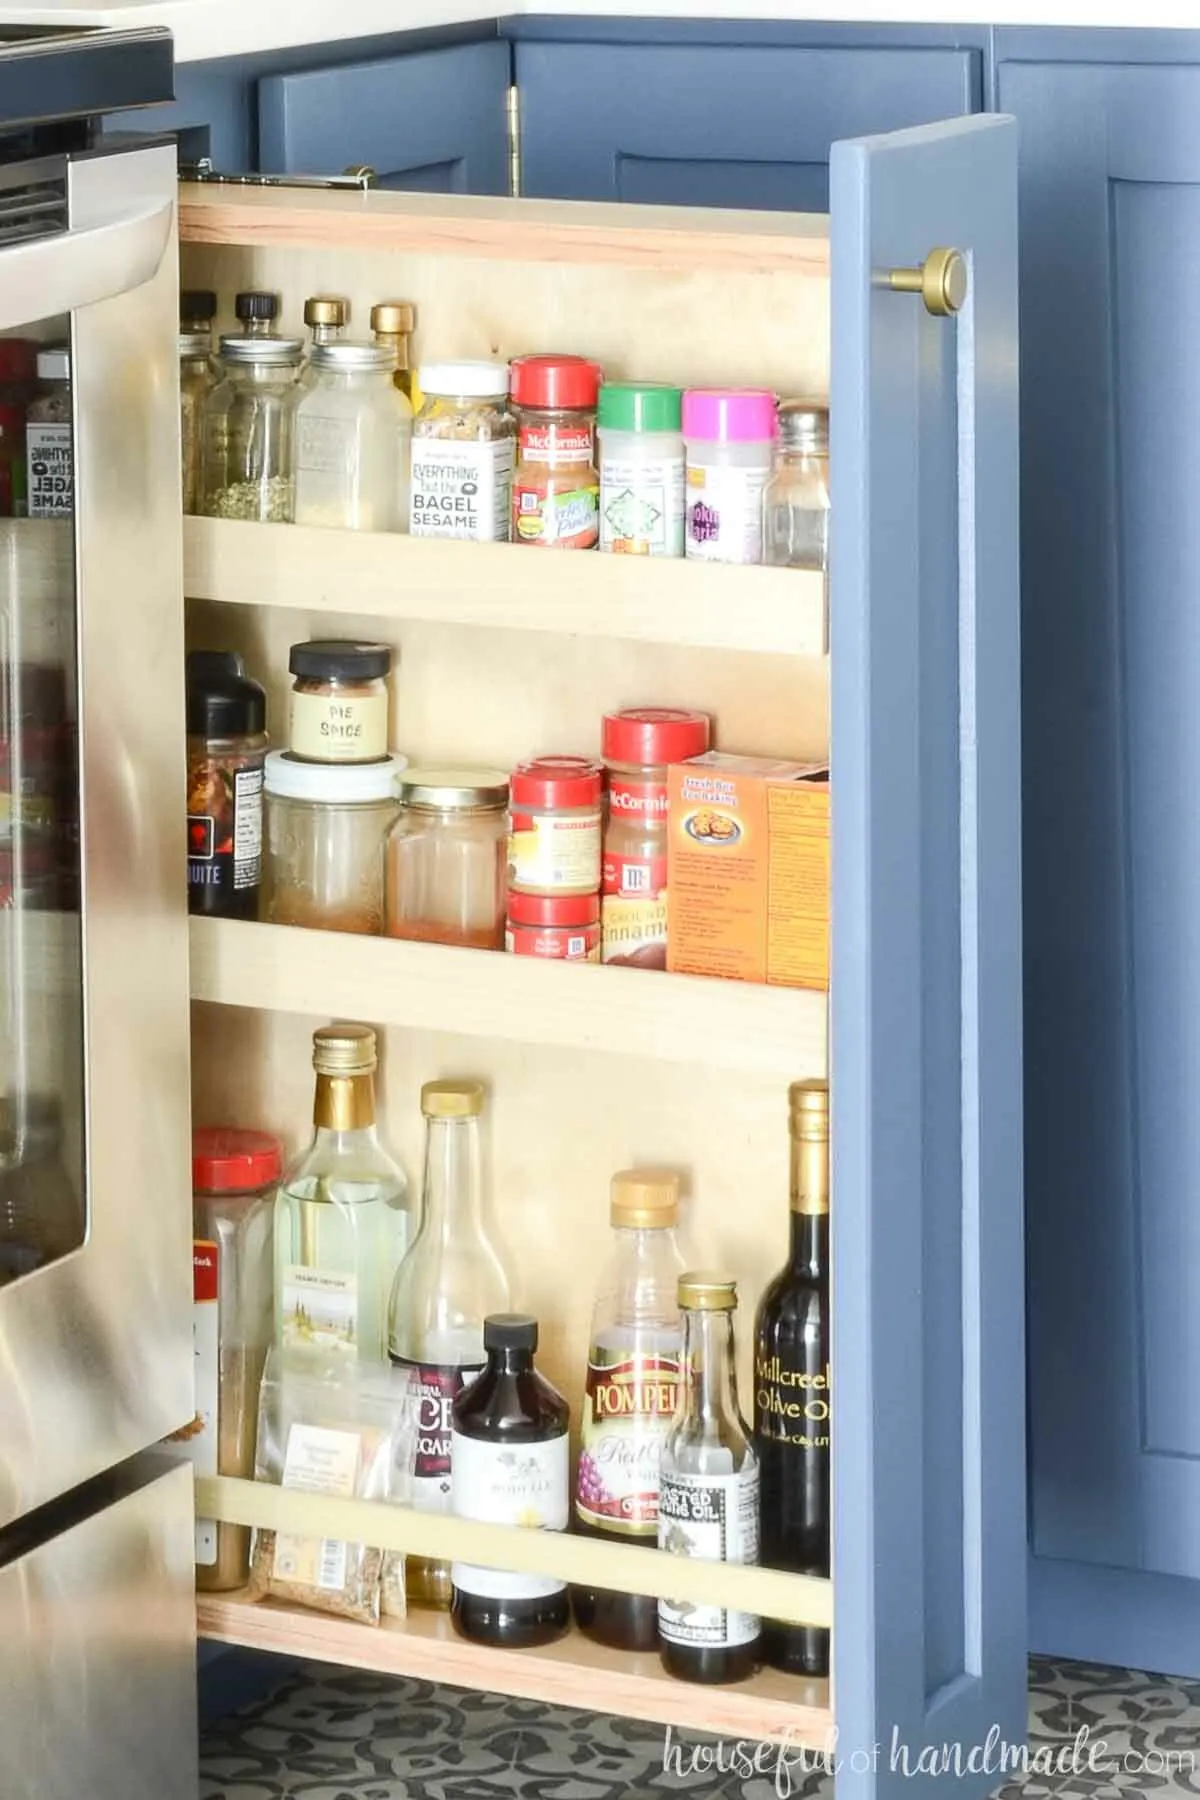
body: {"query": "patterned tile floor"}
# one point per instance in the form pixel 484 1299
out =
pixel 335 1734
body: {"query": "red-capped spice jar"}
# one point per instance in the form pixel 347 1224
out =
pixel 638 745
pixel 555 823
pixel 560 927
pixel 556 484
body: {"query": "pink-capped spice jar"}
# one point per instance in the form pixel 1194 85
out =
pixel 555 822
pixel 638 745
pixel 557 927
pixel 729 434
pixel 556 484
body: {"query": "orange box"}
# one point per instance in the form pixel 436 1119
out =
pixel 748 870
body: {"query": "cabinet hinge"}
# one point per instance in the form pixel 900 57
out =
pixel 513 115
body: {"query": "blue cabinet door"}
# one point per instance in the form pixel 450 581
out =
pixel 1111 474
pixel 709 125
pixel 434 121
pixel 928 1269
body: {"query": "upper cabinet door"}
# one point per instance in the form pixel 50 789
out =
pixel 708 125
pixel 929 1522
pixel 435 121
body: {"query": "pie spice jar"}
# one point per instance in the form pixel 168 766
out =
pixel 556 815
pixel 558 927
pixel 556 484
pixel 638 745
pixel 339 702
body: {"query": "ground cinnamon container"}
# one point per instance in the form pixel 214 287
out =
pixel 555 829
pixel 560 927
pixel 638 745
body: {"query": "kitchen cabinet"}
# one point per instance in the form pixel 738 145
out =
pixel 502 652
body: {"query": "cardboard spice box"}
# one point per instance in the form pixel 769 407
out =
pixel 748 870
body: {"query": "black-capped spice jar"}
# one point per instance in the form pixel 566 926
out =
pixel 339 701
pixel 226 749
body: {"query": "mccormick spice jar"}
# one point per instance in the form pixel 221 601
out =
pixel 638 745
pixel 339 706
pixel 556 485
pixel 226 749
pixel 555 826
pixel 560 927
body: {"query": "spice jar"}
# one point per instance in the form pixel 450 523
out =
pixel 559 927
pixel 730 436
pixel 198 376
pixel 18 378
pixel 554 836
pixel 463 444
pixel 796 500
pixel 641 469
pixel 638 745
pixel 234 1174
pixel 326 827
pixel 226 749
pixel 248 429
pixel 556 485
pixel 446 858
pixel 49 447
pixel 353 441
pixel 392 322
pixel 339 702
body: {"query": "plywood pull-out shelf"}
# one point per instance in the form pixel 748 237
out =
pixel 780 611
pixel 474 993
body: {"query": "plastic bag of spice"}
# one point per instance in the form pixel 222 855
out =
pixel 333 1425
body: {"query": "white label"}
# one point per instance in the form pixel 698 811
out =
pixel 247 827
pixel 508 1484
pixel 553 853
pixel 51 471
pixel 714 1517
pixel 317 1461
pixel 320 1306
pixel 201 1444
pixel 641 505
pixel 345 729
pixel 461 490
pixel 724 514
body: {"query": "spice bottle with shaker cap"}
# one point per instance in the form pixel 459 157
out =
pixel 796 500
pixel 556 484
pixel 639 744
pixel 226 751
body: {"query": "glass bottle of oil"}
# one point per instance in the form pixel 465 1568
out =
pixel 342 1211
pixel 392 324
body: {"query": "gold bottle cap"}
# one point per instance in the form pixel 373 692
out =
pixel 808 1109
pixel 644 1198
pixel 392 318
pixel 344 1050
pixel 326 309
pixel 707 1290
pixel 452 1099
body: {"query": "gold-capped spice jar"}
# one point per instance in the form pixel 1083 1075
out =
pixel 445 858
pixel 638 745
pixel 555 826
pixel 339 702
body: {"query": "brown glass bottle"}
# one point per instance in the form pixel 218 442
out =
pixel 792 1388
pixel 509 1466
pixel 708 1488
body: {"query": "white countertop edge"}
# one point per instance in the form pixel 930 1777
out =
pixel 216 28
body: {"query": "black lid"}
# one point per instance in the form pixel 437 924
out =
pixel 226 706
pixel 337 659
pixel 201 664
pixel 198 303
pixel 510 1331
pixel 256 305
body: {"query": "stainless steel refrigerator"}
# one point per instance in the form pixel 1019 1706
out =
pixel 97 1633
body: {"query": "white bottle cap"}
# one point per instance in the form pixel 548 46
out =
pixel 54 365
pixel 488 380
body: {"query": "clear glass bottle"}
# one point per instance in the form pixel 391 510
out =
pixel 198 376
pixel 248 430
pixel 353 441
pixel 708 1488
pixel 341 1218
pixel 448 1283
pixel 796 498
pixel 392 323
pixel 634 1354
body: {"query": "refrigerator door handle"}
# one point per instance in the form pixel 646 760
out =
pixel 57 274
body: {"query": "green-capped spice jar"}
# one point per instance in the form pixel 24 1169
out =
pixel 638 426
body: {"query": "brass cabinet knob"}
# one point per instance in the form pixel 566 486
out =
pixel 941 281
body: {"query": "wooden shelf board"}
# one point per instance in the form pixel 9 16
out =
pixel 651 237
pixel 779 611
pixel 474 993
pixel 572 1672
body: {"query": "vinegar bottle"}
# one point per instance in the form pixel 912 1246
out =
pixel 708 1492
pixel 792 1386
pixel 448 1283
pixel 632 1378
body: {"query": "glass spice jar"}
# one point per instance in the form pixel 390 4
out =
pixel 556 485
pixel 226 750
pixel 248 432
pixel 325 831
pixel 796 499
pixel 638 744
pixel 49 441
pixel 446 858
pixel 353 441
pixel 198 375
pixel 339 702
pixel 555 831
pixel 556 927
pixel 463 453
